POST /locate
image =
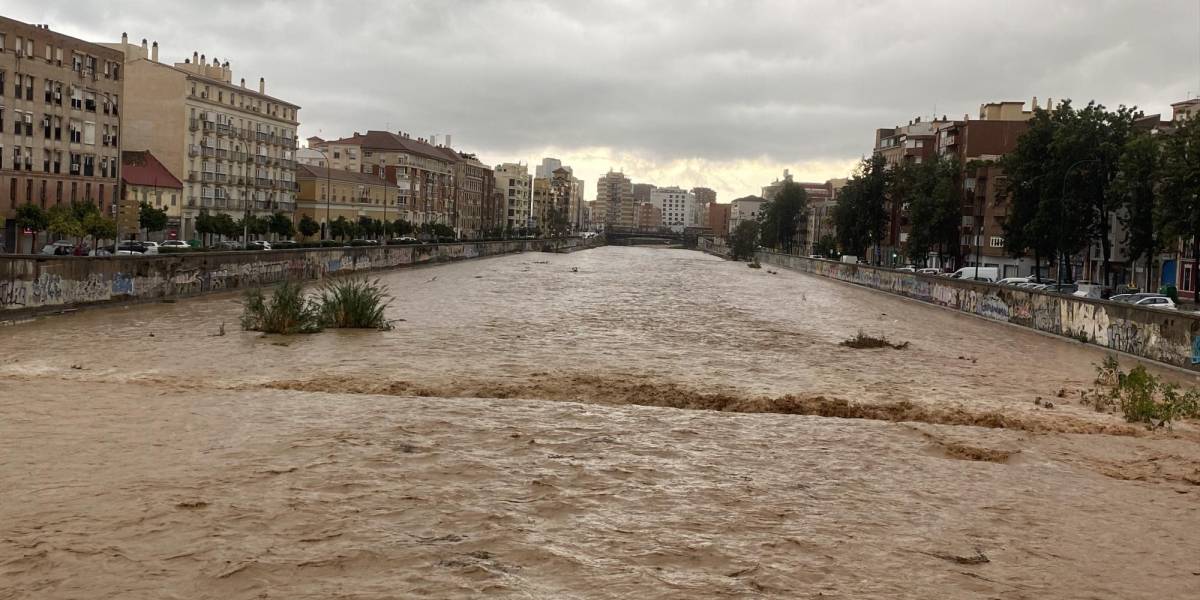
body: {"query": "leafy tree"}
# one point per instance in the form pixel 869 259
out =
pixel 225 226
pixel 281 225
pixel 861 215
pixel 341 228
pixel 1136 188
pixel 31 216
pixel 64 223
pixel 826 246
pixel 1179 209
pixel 99 227
pixel 1032 192
pixel 559 226
pixel 744 240
pixel 929 190
pixel 401 227
pixel 308 226
pixel 206 226
pixel 150 218
pixel 783 217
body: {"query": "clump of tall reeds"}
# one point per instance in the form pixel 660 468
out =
pixel 354 303
pixel 346 303
pixel 287 311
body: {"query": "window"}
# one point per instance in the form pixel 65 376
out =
pixel 57 129
pixel 76 98
pixel 89 101
pixel 89 133
pixel 27 119
pixel 996 242
pixel 76 132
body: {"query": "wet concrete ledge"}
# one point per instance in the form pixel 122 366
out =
pixel 33 285
pixel 1167 336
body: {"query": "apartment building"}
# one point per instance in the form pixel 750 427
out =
pixel 718 219
pixel 704 197
pixel 61 108
pixel 977 145
pixel 556 194
pixel 770 190
pixel 648 217
pixel 615 201
pixel 677 206
pixel 325 194
pixel 233 147
pixel 746 208
pixel 419 166
pixel 820 212
pixel 516 186
pixel 474 183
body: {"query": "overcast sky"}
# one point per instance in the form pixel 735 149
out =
pixel 724 94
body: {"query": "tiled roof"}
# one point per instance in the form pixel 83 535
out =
pixel 388 141
pixel 139 167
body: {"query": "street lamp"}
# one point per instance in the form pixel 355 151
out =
pixel 328 190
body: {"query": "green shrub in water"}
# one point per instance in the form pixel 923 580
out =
pixel 354 303
pixel 1143 397
pixel 287 311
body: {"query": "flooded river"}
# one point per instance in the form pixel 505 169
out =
pixel 523 432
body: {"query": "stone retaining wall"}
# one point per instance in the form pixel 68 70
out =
pixel 37 284
pixel 1162 335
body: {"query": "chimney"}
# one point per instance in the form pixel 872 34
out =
pixel 1049 103
pixel 195 57
pixel 1034 103
pixel 243 82
pixel 124 37
pixel 447 140
pixel 262 85
pixel 203 61
pixel 154 52
pixel 143 43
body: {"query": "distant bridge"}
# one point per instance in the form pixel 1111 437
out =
pixel 620 237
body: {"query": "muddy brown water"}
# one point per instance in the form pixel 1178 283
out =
pixel 657 424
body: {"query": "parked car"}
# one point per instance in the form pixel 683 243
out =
pixel 363 242
pixel 1120 297
pixel 1013 280
pixel 131 247
pixel 1156 301
pixel 59 248
pixel 988 273
pixel 151 247
pixel 176 245
pixel 284 244
pixel 259 245
pixel 101 251
pixel 929 271
pixel 908 269
pixel 228 245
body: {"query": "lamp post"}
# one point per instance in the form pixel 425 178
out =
pixel 328 191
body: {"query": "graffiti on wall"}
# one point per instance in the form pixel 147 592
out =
pixel 1142 332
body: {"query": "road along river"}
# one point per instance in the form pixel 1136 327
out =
pixel 519 434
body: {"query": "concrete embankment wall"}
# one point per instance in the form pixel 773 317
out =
pixel 36 284
pixel 1172 337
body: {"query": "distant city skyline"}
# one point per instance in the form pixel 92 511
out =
pixel 725 97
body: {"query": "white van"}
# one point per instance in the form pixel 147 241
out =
pixel 988 274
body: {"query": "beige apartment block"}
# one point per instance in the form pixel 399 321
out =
pixel 233 147
pixel 474 185
pixel 515 184
pixel 61 102
pixel 326 194
pixel 615 205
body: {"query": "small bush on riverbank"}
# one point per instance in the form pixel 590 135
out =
pixel 862 340
pixel 287 312
pixel 354 303
pixel 1141 395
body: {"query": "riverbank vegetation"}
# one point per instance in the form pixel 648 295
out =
pixel 862 340
pixel 342 304
pixel 1140 395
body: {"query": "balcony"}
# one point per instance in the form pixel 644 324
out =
pixel 262 182
pixel 260 159
pixel 193 124
pixel 208 151
pixel 222 153
pixel 207 176
pixel 193 150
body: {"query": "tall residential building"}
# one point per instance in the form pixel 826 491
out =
pixel 678 207
pixel 718 219
pixel 232 146
pixel 578 208
pixel 642 191
pixel 423 170
pixel 547 168
pixel 61 143
pixel 515 184
pixel 648 217
pixel 614 201
pixel 820 212
pixel 704 197
pixel 473 182
pixel 554 195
